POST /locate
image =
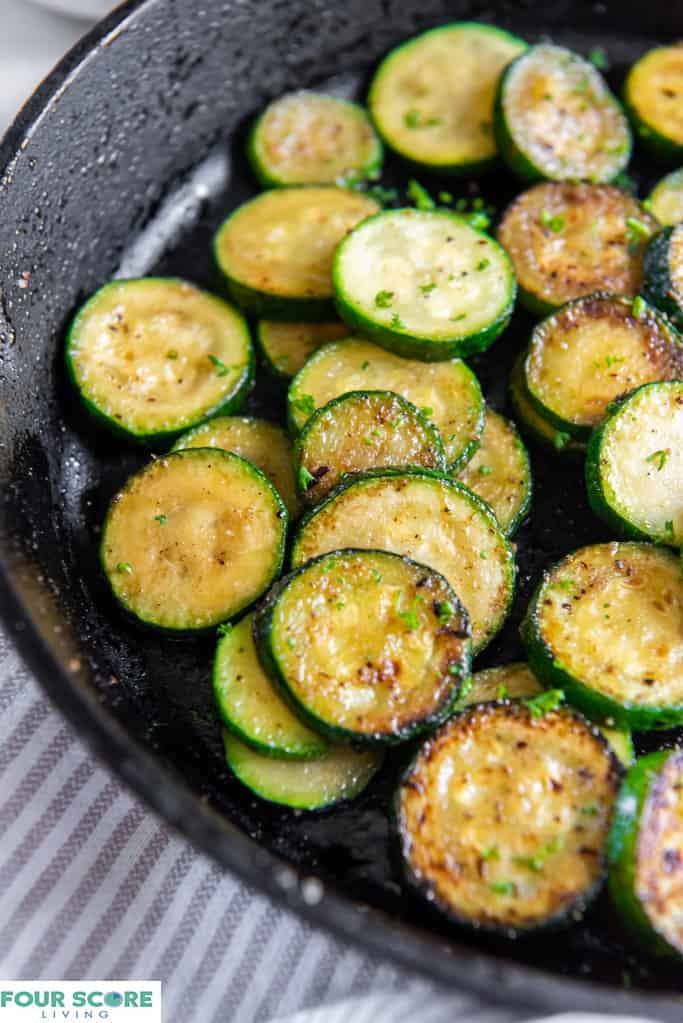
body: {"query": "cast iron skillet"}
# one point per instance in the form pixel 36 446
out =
pixel 123 163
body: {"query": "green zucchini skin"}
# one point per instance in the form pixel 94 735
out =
pixel 601 498
pixel 622 854
pixel 495 717
pixel 660 288
pixel 157 440
pixel 661 146
pixel 533 424
pixel 553 674
pixel 494 483
pixel 519 161
pixel 326 420
pixel 400 340
pixel 392 733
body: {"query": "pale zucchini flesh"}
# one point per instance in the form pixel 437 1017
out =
pixel 605 626
pixel 432 98
pixel 340 774
pixel 153 357
pixel 501 856
pixel 364 430
pixel 557 119
pixel 309 138
pixel 430 519
pixel 654 97
pixel 448 393
pixel 192 539
pixel 424 283
pixel 251 707
pixel 666 199
pixel 264 444
pixel 499 472
pixel 285 347
pixel 275 251
pixel 634 468
pixel 567 240
pixel 371 647
pixel 594 350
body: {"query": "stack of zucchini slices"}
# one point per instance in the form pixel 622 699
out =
pixel 408 487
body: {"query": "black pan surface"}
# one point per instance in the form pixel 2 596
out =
pixel 123 164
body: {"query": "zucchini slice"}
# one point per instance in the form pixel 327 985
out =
pixel 285 347
pixel 192 539
pixel 532 423
pixel 634 466
pixel 448 393
pixel 431 519
pixel 556 119
pixel 500 472
pixel 666 199
pixel 424 284
pixel 368 646
pixel 432 98
pixel 504 814
pixel 516 681
pixel 340 774
pixel 363 430
pixel 308 138
pixel 274 252
pixel 593 350
pixel 568 240
pixel 645 852
pixel 653 94
pixel 264 444
pixel 664 273
pixel 605 626
pixel 251 707
pixel 154 356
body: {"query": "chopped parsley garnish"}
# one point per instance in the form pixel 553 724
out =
pixel 414 119
pixel 502 887
pixel 482 264
pixel 340 605
pixel 221 369
pixel 669 527
pixel 659 458
pixel 224 629
pixel 426 289
pixel 598 58
pixel 420 196
pixel 554 222
pixel 636 231
pixel 537 861
pixel 171 354
pixel 560 440
pixel 542 704
pixel 305 403
pixel 492 853
pixel 446 612
pixel 365 364
pixel 454 669
pixel 460 316
pixel 445 197
pixel 383 299
pixel 396 322
pixel 638 307
pixel 291 642
pixel 502 693
pixel 427 411
pixel 125 568
pixel 161 519
pixel 377 576
pixel 485 470
pixel 409 618
pixel 479 220
pixel 590 811
pixel 305 478
pixel 483 555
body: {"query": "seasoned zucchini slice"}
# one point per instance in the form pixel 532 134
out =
pixel 264 444
pixel 431 519
pixel 424 284
pixel 666 199
pixel 664 273
pixel 274 252
pixel 504 814
pixel 653 94
pixel 605 626
pixel 500 472
pixel 368 646
pixel 634 466
pixel 363 430
pixel 532 423
pixel 251 707
pixel 448 393
pixel 432 97
pixel 285 347
pixel 192 539
pixel 308 138
pixel 516 681
pixel 341 773
pixel 568 240
pixel 645 852
pixel 557 119
pixel 592 351
pixel 154 356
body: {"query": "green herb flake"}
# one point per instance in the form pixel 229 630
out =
pixel 305 403
pixel 427 411
pixel 546 702
pixel 414 120
pixel 306 478
pixel 409 618
pixel 554 222
pixel 340 605
pixel 445 197
pixel 659 458
pixel 485 470
pixel 669 527
pixel 382 195
pixel 427 289
pixel 161 519
pixel 383 299
pixel 124 568
pixel 460 316
pixel 291 642
pixel 482 264
pixel 492 853
pixel 420 196
pixel 377 576
pixel 502 887
pixel 598 58
pixel 454 669
pixel 590 811
pixel 502 692
pixel 538 860
pixel 636 231
pixel 613 360
pixel 365 364
pixel 221 369
pixel 583 85
pixel 483 555
pixel 224 629
pixel 171 354
pixel 479 220
pixel 638 307
pixel 445 612
pixel 560 440
pixel 396 322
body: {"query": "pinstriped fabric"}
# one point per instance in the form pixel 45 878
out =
pixel 94 886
